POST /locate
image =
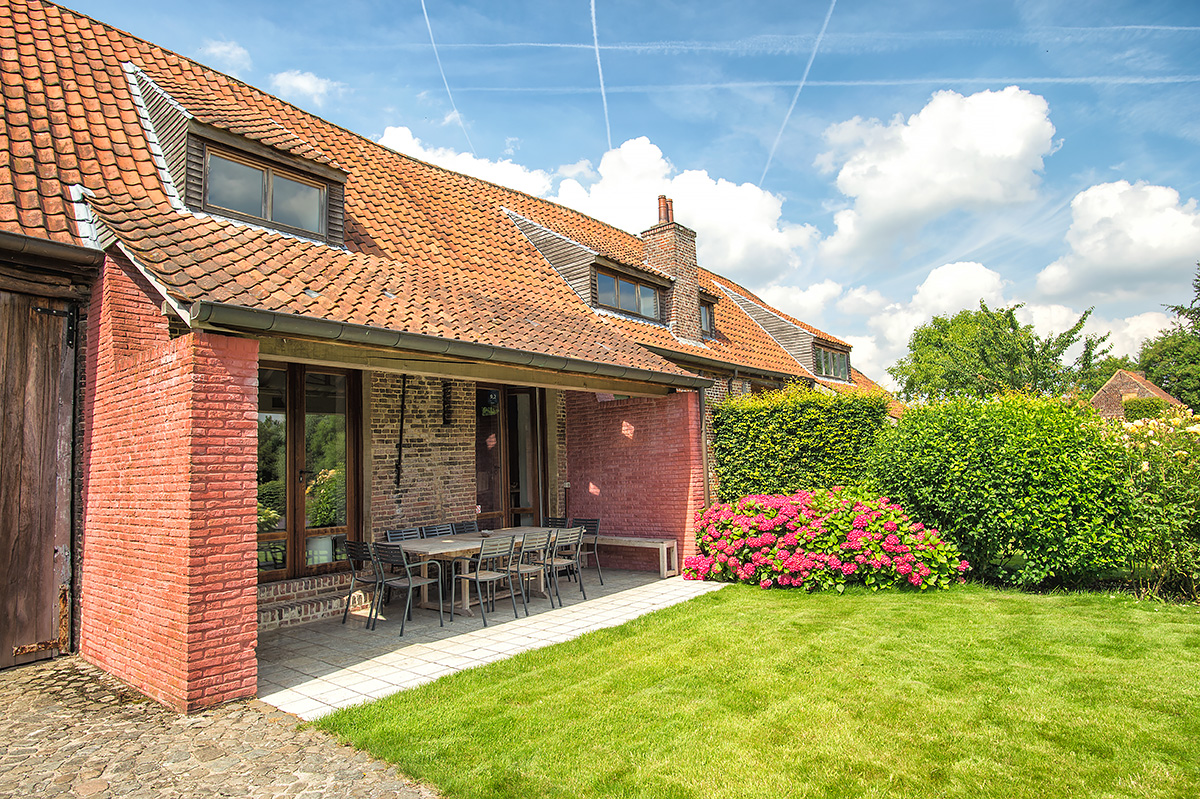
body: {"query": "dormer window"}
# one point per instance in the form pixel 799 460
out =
pixel 831 363
pixel 240 187
pixel 626 294
pixel 707 314
pixel 243 180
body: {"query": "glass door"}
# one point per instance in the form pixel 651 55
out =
pixel 508 457
pixel 307 469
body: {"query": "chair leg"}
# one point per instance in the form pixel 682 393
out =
pixel 482 603
pixel 407 609
pixel 596 557
pixel 513 596
pixel 579 576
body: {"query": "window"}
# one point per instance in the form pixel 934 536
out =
pixel 626 294
pixel 260 191
pixel 831 363
pixel 706 318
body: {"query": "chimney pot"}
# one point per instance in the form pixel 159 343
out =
pixel 662 208
pixel 670 210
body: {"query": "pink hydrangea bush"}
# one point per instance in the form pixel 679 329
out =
pixel 820 540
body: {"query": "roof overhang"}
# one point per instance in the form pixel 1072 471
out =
pixel 235 318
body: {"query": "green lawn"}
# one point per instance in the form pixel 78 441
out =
pixel 748 693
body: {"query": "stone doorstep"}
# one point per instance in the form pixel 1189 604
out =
pixel 309 609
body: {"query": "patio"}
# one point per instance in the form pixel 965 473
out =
pixel 314 669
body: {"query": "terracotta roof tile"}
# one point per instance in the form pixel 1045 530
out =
pixel 438 240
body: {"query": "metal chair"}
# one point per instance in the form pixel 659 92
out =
pixel 487 567
pixel 408 579
pixel 557 522
pixel 564 556
pixel 435 530
pixel 589 545
pixel 363 571
pixel 403 534
pixel 532 560
pixel 469 527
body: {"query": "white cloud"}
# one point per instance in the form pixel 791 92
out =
pixel 807 305
pixel 976 152
pixel 228 56
pixel 296 85
pixel 952 287
pixel 740 226
pixel 504 172
pixel 861 300
pixel 1126 241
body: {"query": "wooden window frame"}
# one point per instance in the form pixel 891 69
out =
pixel 270 171
pixel 830 363
pixel 639 286
pixel 711 307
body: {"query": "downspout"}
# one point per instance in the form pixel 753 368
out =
pixel 704 449
pixel 400 437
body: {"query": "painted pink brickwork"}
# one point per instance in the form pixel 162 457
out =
pixel 170 452
pixel 637 465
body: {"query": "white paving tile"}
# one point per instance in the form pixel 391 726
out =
pixel 315 669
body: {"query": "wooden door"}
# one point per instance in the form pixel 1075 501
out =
pixel 308 469
pixel 509 456
pixel 37 377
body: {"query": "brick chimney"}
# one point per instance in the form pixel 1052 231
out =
pixel 671 248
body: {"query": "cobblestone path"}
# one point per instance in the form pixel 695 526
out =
pixel 67 729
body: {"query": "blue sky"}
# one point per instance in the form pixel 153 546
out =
pixel 935 154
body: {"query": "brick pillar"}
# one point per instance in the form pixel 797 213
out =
pixel 671 248
pixel 169 515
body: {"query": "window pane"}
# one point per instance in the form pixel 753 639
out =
pixel 648 300
pixel 627 296
pixel 706 317
pixel 296 204
pixel 606 287
pixel 272 469
pixel 235 186
pixel 324 462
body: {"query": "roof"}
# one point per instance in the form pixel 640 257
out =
pixel 427 251
pixel 1110 397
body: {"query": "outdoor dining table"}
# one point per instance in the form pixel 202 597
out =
pixel 449 547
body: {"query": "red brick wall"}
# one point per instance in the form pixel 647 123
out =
pixel 636 465
pixel 170 452
pixel 437 481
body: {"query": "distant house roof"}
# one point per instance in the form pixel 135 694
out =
pixel 427 251
pixel 1123 385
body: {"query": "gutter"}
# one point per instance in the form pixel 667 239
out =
pixel 21 244
pixel 723 366
pixel 215 316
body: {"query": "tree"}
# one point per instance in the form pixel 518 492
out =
pixel 1171 360
pixel 980 353
pixel 1091 380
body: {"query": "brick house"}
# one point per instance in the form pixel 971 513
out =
pixel 235 332
pixel 1123 385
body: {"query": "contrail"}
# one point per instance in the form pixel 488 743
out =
pixel 796 96
pixel 600 72
pixel 445 82
pixel 1114 80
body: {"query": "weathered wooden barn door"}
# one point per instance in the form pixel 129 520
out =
pixel 37 380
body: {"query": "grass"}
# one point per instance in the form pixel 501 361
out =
pixel 966 693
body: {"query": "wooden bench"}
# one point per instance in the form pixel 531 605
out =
pixel 667 565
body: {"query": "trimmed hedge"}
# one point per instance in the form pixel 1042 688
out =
pixel 1030 488
pixel 1144 408
pixel 781 442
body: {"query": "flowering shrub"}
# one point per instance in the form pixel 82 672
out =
pixel 820 540
pixel 1163 470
